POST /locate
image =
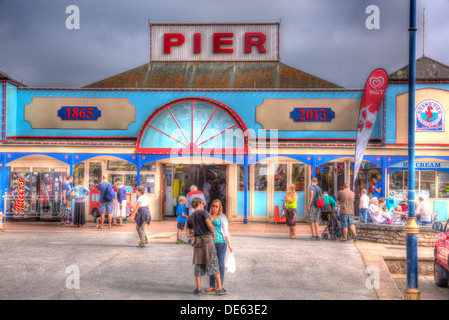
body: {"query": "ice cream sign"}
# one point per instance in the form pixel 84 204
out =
pixel 423 165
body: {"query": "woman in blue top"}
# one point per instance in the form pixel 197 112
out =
pixel 222 240
pixel 81 192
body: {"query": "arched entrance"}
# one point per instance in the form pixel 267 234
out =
pixel 193 132
pixel 193 126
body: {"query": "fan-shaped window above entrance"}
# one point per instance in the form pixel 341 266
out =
pixel 192 126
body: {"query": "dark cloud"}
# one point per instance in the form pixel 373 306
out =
pixel 326 38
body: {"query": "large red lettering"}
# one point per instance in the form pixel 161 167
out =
pixel 197 43
pixel 169 42
pixel 218 42
pixel 250 41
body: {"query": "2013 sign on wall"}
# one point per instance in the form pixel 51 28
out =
pixel 312 114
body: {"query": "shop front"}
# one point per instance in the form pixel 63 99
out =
pixel 431 182
pixel 242 131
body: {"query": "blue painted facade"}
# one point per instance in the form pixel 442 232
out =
pixel 244 104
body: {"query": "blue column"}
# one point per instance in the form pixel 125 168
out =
pixel 245 202
pixel 139 163
pixel 384 176
pixel 313 166
pixel 412 230
pixel 71 162
pixel 3 186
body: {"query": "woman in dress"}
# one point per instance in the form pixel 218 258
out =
pixel 142 213
pixel 81 192
pixel 290 210
pixel 222 240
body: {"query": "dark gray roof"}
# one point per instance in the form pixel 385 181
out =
pixel 4 76
pixel 214 75
pixel 427 69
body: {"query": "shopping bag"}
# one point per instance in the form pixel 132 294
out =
pixel 65 212
pixel 230 263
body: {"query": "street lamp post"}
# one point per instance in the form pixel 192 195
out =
pixel 412 292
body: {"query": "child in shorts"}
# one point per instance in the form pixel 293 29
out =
pixel 363 206
pixel 182 217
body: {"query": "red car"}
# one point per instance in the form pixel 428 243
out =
pixel 441 254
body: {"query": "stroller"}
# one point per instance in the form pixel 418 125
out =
pixel 333 230
pixel 326 212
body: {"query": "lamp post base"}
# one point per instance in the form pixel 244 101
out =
pixel 412 294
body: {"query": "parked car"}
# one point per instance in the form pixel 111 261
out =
pixel 441 255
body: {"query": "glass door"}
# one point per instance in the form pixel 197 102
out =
pixel 298 179
pixel 260 189
pixel 280 185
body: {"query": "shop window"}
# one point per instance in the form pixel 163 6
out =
pixel 443 185
pixel 260 177
pixel 425 184
pixel 340 175
pixel 325 175
pixel 147 180
pixel 120 165
pixel 78 172
pixel 298 176
pixel 94 173
pixel 280 177
pixel 361 183
pixel 242 178
pixel 113 178
pixel 130 180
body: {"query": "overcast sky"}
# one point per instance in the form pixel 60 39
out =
pixel 326 38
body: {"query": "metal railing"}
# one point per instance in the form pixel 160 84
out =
pixel 31 207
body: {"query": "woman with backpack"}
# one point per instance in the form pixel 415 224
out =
pixel 290 210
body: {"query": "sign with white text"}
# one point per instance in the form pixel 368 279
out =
pixel 429 116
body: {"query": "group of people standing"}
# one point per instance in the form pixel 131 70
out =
pixel 345 200
pixel 114 207
pixel 209 237
pixel 374 209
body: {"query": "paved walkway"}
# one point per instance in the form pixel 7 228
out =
pixel 391 286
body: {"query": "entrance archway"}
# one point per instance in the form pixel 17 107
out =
pixel 193 126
